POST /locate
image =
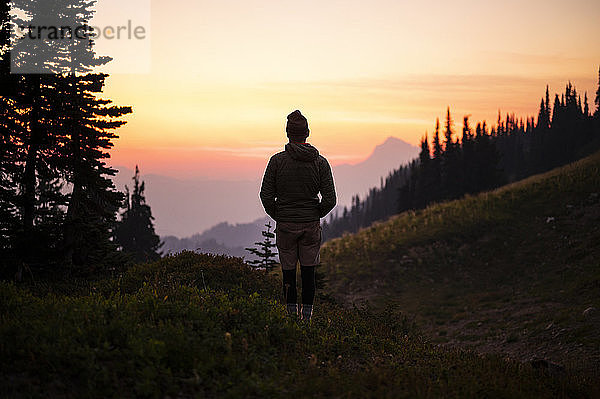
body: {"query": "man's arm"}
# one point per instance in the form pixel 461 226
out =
pixel 327 189
pixel 268 190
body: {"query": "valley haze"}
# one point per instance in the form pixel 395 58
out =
pixel 184 207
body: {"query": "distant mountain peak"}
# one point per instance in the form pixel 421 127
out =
pixel 392 148
pixel 394 143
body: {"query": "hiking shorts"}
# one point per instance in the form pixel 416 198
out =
pixel 298 242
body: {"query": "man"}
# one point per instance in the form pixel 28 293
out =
pixel 289 193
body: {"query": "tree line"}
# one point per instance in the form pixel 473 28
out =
pixel 58 204
pixel 479 159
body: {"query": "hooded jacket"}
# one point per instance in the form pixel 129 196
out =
pixel 291 184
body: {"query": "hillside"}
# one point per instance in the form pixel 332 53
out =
pixel 207 326
pixel 515 271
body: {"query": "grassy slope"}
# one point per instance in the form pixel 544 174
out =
pixel 158 332
pixel 509 271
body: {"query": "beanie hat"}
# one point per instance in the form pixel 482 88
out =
pixel 297 126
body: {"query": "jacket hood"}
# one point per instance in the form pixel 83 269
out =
pixel 302 152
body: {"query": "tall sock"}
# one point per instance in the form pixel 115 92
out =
pixel 308 284
pixel 306 312
pixel 290 292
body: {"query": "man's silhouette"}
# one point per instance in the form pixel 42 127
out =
pixel 289 193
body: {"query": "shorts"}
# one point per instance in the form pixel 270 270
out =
pixel 298 242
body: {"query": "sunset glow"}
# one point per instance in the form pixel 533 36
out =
pixel 225 74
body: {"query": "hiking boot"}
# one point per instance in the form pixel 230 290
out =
pixel 306 312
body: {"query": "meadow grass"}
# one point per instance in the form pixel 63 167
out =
pixel 196 325
pixel 509 271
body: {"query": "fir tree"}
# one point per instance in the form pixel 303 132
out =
pixel 547 109
pixel 468 156
pixel 134 233
pixel 597 100
pixel 94 201
pixel 437 146
pixel 436 163
pixel 423 183
pixel 63 131
pixel 8 148
pixel 451 173
pixel 264 252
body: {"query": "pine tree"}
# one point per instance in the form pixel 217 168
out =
pixel 29 117
pixel 547 110
pixel 448 132
pixel 94 201
pixel 422 189
pixel 65 131
pixel 8 148
pixel 436 163
pixel 134 233
pixel 543 116
pixel 468 156
pixel 597 100
pixel 266 256
pixel 451 173
pixel 437 146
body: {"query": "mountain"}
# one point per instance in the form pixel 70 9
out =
pixel 359 178
pixel 186 207
pixel 224 238
pixel 183 208
pixel 513 271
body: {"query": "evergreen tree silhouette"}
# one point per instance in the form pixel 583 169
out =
pixel 436 163
pixel 510 150
pixel 451 173
pixel 60 132
pixel 94 200
pixel 134 233
pixel 8 148
pixel 597 100
pixel 264 251
pixel 423 183
pixel 468 157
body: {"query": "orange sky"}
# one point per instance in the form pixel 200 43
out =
pixel 224 75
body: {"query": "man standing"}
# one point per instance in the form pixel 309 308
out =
pixel 289 193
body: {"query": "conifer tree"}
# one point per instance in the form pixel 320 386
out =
pixel 547 109
pixel 597 100
pixel 468 156
pixel 8 149
pixel 436 163
pixel 437 146
pixel 65 130
pixel 28 119
pixel 134 233
pixel 508 151
pixel 94 201
pixel 264 251
pixel 422 189
pixel 451 173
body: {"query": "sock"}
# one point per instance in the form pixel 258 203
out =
pixel 290 293
pixel 308 284
pixel 306 312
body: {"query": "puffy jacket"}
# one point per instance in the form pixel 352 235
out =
pixel 291 184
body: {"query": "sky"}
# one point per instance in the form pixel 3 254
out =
pixel 211 98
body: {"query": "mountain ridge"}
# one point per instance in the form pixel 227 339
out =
pixel 201 203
